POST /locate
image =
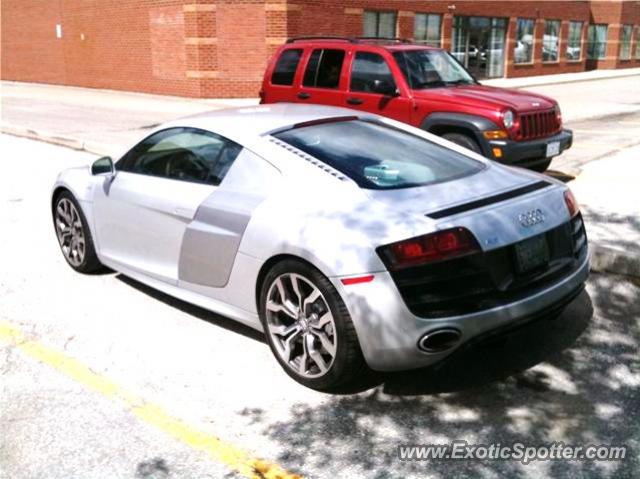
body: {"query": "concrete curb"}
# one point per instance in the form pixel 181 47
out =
pixel 605 259
pixel 68 142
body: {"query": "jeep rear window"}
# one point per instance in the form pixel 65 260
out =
pixel 286 67
pixel 377 156
pixel 323 69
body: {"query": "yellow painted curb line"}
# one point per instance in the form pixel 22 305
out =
pixel 233 457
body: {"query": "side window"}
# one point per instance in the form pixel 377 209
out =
pixel 286 67
pixel 367 68
pixel 186 154
pixel 323 69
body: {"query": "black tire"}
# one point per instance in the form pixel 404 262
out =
pixel 349 369
pixel 463 140
pixel 90 262
pixel 541 167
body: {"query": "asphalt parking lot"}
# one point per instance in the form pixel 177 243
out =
pixel 104 377
pixel 597 138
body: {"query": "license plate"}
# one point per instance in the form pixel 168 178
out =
pixel 553 148
pixel 532 253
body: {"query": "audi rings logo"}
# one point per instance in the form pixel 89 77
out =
pixel 531 218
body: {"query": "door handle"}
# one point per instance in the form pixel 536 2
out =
pixel 355 101
pixel 303 95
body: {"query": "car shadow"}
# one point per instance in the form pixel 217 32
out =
pixel 559 175
pixel 498 358
pixel 196 311
pixel 483 363
pixel 583 389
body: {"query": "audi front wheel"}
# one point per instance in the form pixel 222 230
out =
pixel 73 234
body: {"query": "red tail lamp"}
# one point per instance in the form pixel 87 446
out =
pixel 572 203
pixel 429 248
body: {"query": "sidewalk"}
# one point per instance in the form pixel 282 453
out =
pixel 98 121
pixel 542 80
pixel 584 95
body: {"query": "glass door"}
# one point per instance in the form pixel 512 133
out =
pixel 479 44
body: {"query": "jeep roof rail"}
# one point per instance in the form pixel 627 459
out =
pixel 349 39
pixel 321 37
pixel 384 39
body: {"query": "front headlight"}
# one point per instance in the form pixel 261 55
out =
pixel 507 119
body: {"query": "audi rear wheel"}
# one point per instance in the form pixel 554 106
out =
pixel 308 327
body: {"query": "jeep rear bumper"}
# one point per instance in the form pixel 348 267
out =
pixel 528 153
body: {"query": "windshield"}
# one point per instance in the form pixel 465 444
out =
pixel 431 68
pixel 377 156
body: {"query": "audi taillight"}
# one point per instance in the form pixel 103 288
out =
pixel 429 248
pixel 572 203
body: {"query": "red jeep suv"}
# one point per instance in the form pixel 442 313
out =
pixel 423 86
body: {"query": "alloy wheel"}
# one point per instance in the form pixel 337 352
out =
pixel 301 325
pixel 70 231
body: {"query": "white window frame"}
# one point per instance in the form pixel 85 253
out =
pixel 378 14
pixel 544 32
pixel 533 41
pixel 427 16
pixel 580 42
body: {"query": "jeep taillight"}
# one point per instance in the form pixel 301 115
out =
pixel 429 248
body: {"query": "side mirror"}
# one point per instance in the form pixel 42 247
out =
pixel 384 87
pixel 103 166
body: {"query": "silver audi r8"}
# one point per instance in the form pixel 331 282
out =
pixel 353 241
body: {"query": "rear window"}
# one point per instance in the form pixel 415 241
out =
pixel 323 69
pixel 379 157
pixel 286 67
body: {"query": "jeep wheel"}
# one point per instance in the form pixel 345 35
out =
pixel 463 140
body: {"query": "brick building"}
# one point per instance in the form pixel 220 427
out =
pixel 219 48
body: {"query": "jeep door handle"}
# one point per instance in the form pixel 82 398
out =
pixel 303 95
pixel 355 101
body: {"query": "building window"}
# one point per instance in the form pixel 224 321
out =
pixel 379 24
pixel 523 51
pixel 597 42
pixel 551 41
pixel 426 29
pixel 574 43
pixel 479 44
pixel 625 42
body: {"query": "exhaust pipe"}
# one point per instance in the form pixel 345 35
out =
pixel 439 340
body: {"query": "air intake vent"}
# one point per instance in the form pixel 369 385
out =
pixel 309 158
